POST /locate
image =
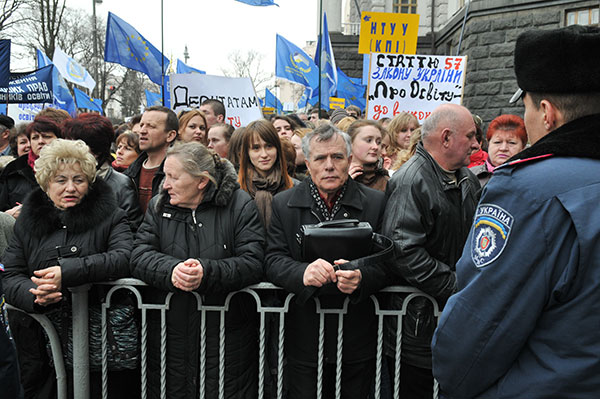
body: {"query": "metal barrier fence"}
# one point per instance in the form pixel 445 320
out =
pixel 81 381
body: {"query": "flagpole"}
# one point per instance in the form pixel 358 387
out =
pixel 162 51
pixel 320 41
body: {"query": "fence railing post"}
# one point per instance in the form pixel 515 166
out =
pixel 81 348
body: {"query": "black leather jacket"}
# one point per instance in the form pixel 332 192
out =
pixel 126 195
pixel 428 217
pixel 16 181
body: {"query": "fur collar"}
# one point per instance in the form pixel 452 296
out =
pixel 40 217
pixel 218 195
pixel 579 138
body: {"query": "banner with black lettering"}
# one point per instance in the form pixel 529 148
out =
pixel 189 90
pixel 413 83
pixel 29 87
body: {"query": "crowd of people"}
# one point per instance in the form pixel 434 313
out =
pixel 192 206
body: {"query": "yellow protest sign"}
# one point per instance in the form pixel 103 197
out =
pixel 335 102
pixel 268 111
pixel 386 32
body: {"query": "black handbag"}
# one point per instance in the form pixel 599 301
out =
pixel 336 239
pixel 342 239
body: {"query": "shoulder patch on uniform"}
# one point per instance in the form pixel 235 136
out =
pixel 490 233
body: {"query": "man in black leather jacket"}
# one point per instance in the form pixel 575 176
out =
pixel 431 202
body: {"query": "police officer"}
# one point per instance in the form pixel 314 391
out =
pixel 525 323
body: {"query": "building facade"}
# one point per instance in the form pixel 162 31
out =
pixel 483 30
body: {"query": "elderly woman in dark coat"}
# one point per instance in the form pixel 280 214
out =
pixel 70 232
pixel 201 235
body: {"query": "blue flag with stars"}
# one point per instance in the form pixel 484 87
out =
pixel 153 98
pixel 85 101
pixel 126 46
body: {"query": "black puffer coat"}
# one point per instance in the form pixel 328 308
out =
pixel 428 217
pixel 16 181
pixel 91 242
pixel 225 234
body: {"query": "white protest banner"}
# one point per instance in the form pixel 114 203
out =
pixel 24 112
pixel 413 83
pixel 189 90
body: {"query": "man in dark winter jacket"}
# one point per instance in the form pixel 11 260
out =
pixel 327 195
pixel 430 207
pixel 158 129
pixel 525 321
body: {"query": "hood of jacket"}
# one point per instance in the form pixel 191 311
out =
pixel 40 217
pixel 217 195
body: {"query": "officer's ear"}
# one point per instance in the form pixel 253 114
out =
pixel 553 117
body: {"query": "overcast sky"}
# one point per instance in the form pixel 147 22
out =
pixel 212 29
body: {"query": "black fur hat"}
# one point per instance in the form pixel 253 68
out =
pixel 565 60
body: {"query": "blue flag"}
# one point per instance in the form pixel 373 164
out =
pixel 85 101
pixel 62 96
pixel 153 98
pixel 353 92
pixel 324 57
pixel 126 46
pixel 4 62
pixel 292 63
pixel 272 101
pixel 182 68
pixel 259 2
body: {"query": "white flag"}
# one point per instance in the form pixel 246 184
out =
pixel 71 70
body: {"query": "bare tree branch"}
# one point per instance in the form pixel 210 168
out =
pixel 248 64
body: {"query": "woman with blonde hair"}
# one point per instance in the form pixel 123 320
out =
pixel 367 166
pixel 263 168
pixel 193 127
pixel 70 232
pixel 400 129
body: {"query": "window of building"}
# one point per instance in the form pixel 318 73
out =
pixel 405 6
pixel 585 16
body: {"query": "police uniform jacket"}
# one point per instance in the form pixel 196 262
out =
pixel 525 321
pixel 428 216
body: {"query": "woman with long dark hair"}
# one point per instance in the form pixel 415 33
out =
pixel 263 169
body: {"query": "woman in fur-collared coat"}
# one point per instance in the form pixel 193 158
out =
pixel 70 232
